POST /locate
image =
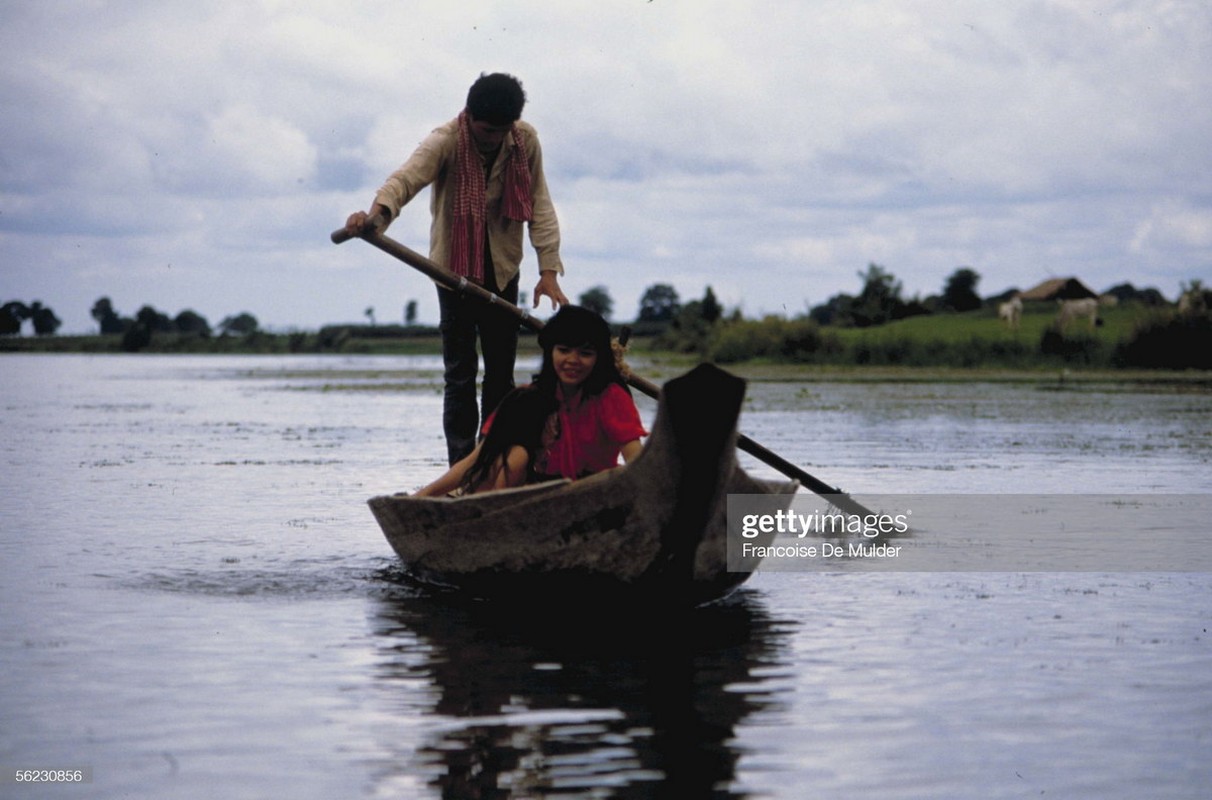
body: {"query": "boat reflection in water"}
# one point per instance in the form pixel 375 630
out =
pixel 625 706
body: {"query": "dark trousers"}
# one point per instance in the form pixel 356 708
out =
pixel 463 318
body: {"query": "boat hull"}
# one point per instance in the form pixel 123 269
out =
pixel 653 531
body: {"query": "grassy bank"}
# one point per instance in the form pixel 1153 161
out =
pixel 1132 336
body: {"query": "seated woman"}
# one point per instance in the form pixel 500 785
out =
pixel 523 425
pixel 598 417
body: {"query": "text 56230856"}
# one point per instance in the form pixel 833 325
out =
pixel 43 775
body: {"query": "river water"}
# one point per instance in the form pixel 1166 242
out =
pixel 195 602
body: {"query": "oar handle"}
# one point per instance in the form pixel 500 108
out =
pixel 772 459
pixel 373 225
pixel 439 274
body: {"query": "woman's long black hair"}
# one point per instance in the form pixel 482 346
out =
pixel 520 419
pixel 575 326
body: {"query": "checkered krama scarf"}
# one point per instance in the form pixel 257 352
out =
pixel 471 199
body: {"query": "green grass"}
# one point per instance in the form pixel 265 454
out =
pixel 979 339
pixel 983 326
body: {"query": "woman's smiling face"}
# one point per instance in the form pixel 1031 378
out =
pixel 573 365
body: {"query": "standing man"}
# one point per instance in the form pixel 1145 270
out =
pixel 486 168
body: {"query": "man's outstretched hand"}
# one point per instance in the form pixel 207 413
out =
pixel 549 285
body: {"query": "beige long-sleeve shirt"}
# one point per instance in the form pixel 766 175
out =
pixel 433 162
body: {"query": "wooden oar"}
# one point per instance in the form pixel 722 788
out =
pixel 447 278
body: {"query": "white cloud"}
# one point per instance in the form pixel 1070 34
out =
pixel 1173 225
pixel 770 152
pixel 274 153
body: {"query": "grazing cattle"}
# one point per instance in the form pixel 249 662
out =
pixel 1075 309
pixel 1011 312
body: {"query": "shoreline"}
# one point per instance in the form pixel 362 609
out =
pixel 654 365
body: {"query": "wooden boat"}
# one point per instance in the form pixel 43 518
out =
pixel 653 531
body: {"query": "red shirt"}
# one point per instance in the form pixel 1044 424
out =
pixel 592 434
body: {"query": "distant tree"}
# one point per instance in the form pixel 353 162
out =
pixel 659 303
pixel 917 307
pixel 241 324
pixel 107 318
pixel 694 326
pixel 12 314
pixel 598 299
pixel 155 321
pixel 410 313
pixel 834 311
pixel 689 332
pixel 136 337
pixel 370 315
pixel 189 321
pixel 711 309
pixel 45 321
pixel 930 304
pixel 880 300
pixel 1127 293
pixel 959 292
pixel 1151 297
pixel 146 323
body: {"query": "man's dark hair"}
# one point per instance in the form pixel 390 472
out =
pixel 496 99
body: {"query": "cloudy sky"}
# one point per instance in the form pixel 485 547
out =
pixel 196 155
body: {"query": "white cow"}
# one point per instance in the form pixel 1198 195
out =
pixel 1075 309
pixel 1011 312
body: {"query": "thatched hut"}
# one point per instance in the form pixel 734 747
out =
pixel 1058 289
